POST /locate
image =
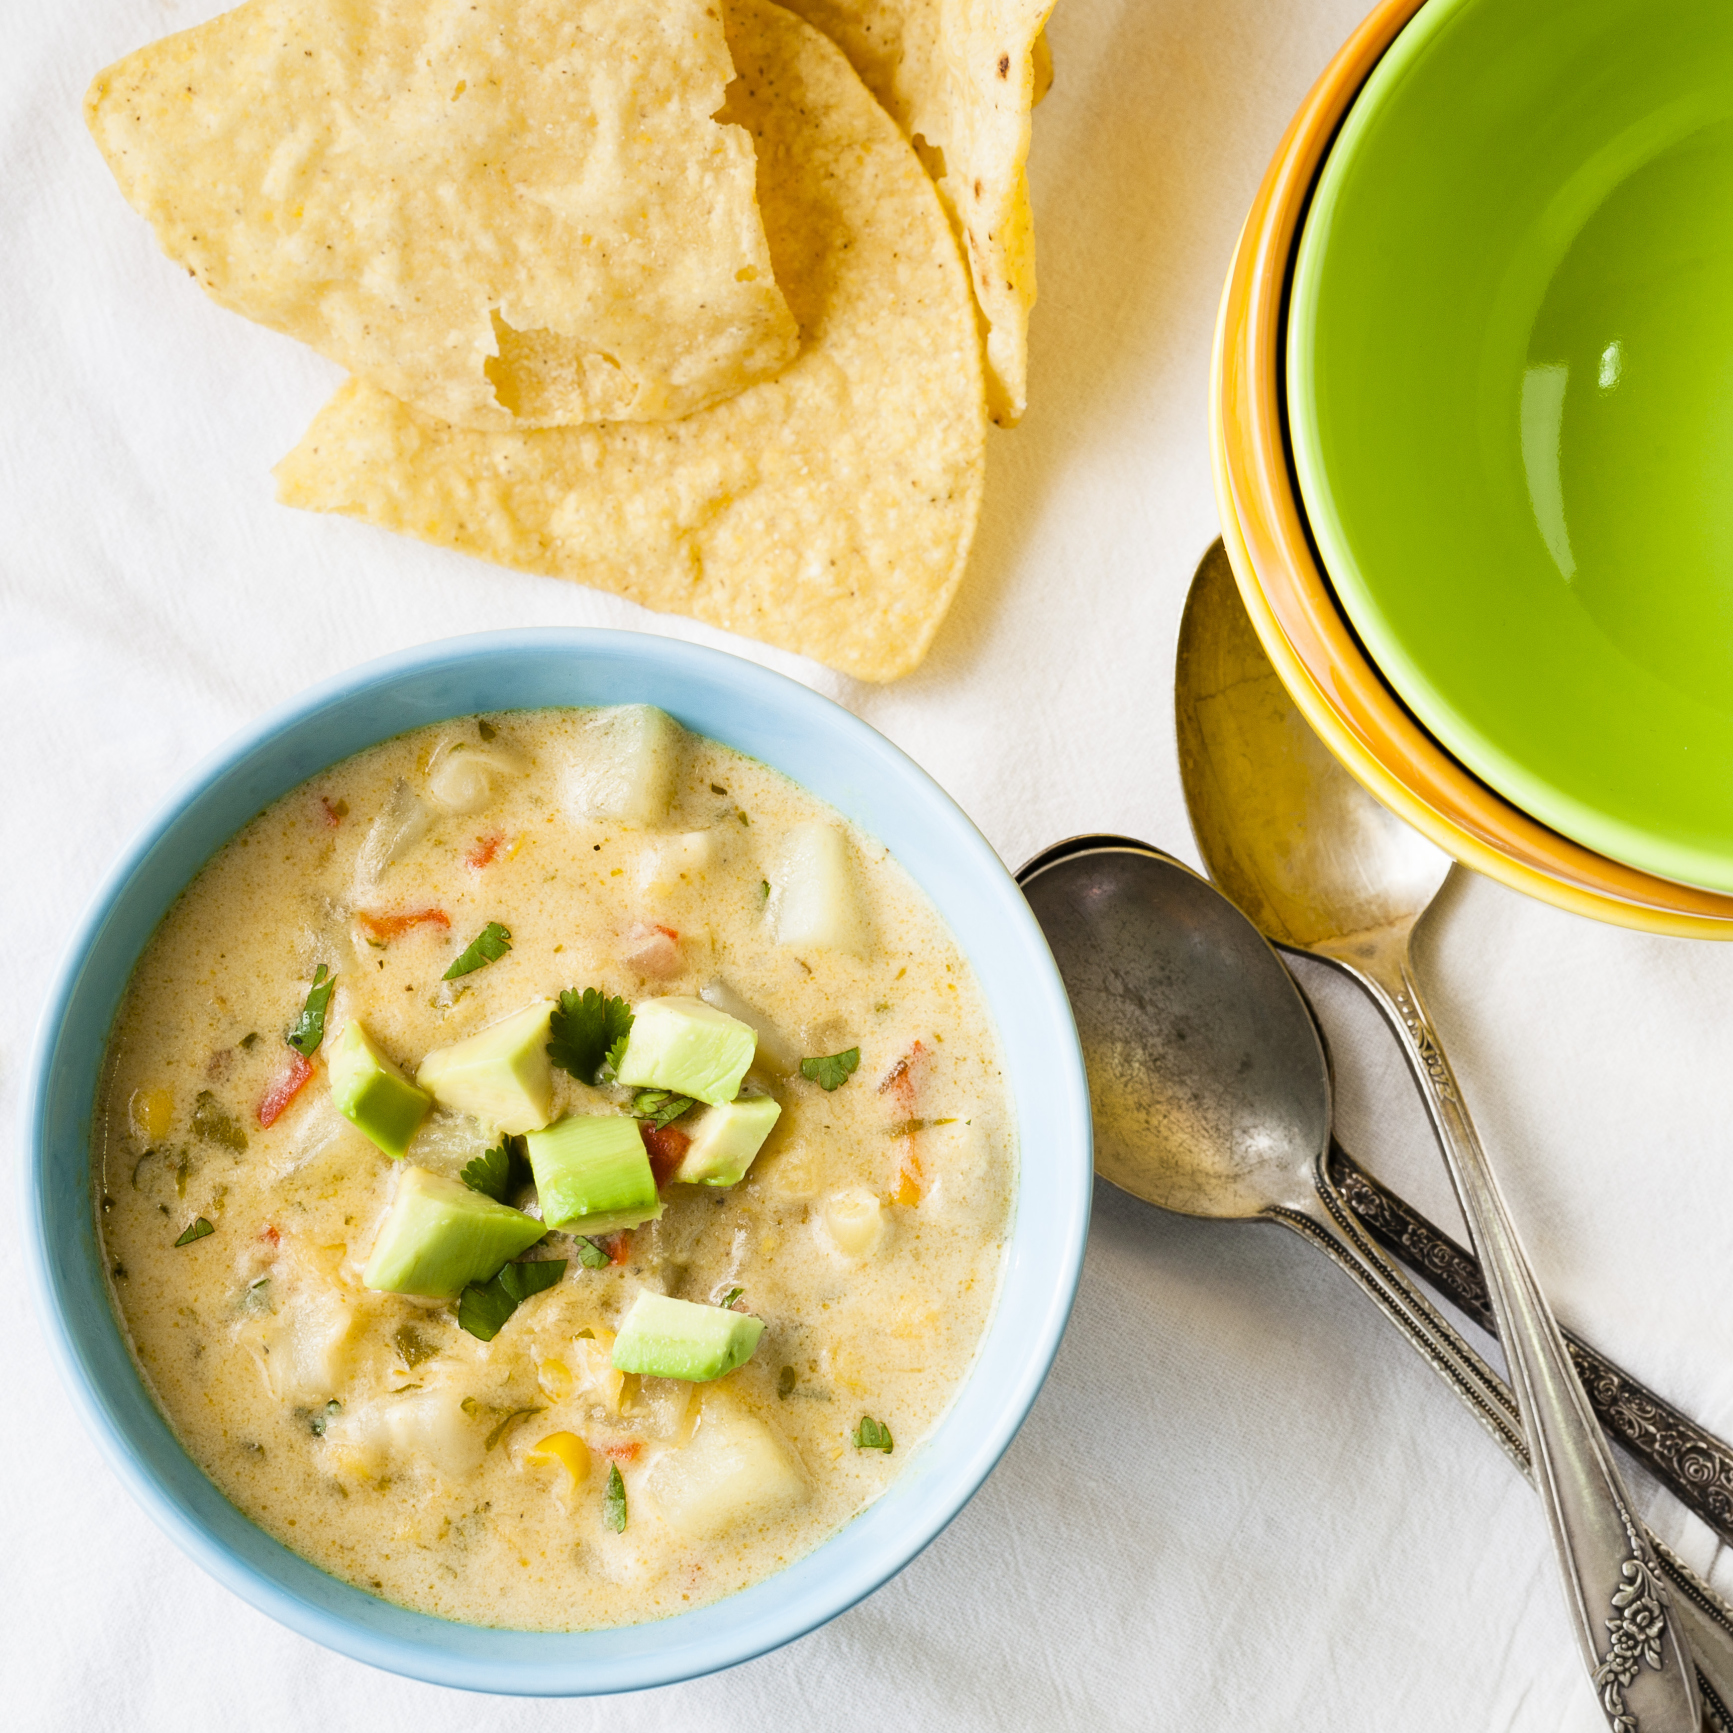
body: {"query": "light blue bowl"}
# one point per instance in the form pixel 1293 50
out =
pixel 839 759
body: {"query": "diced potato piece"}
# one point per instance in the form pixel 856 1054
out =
pixel 961 1182
pixel 593 1368
pixel 815 896
pixel 464 778
pixel 664 1409
pixel 431 1427
pixel 422 1428
pixel 567 1450
pixel 403 823
pixel 660 868
pixel 853 1221
pixel 734 1471
pixel 793 1172
pixel 306 1349
pixel 776 1053
pixel 626 763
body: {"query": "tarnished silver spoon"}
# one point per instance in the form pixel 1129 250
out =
pixel 1321 867
pixel 1211 1095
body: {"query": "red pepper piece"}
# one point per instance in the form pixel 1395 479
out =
pixel 384 928
pixel 284 1088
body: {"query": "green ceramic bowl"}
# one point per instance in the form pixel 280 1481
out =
pixel 1510 376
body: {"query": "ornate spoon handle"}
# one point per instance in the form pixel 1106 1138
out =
pixel 1617 1599
pixel 1328 1223
pixel 1695 1464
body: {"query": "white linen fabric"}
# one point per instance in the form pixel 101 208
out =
pixel 1241 1501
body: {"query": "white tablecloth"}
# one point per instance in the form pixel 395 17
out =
pixel 1241 1502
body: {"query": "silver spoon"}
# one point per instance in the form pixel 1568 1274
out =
pixel 1323 868
pixel 1211 1096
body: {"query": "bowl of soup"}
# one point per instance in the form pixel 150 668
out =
pixel 557 1163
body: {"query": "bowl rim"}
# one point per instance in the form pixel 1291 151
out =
pixel 1288 593
pixel 1043 1257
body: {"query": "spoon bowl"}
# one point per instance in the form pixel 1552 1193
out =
pixel 1208 1081
pixel 1291 837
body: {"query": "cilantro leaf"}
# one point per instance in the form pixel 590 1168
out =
pixel 872 1434
pixel 490 1173
pixel 589 1033
pixel 614 1502
pixel 196 1232
pixel 484 1307
pixel 730 1297
pixel 661 1107
pixel 833 1070
pixel 523 1280
pixel 590 1255
pixel 510 1420
pixel 309 1028
pixel 488 946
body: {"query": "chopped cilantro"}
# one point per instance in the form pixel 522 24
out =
pixel 483 1307
pixel 490 1173
pixel 764 890
pixel 196 1232
pixel 590 1255
pixel 488 946
pixel 831 1071
pixel 215 1124
pixel 731 1296
pixel 614 1502
pixel 318 1422
pixel 504 1426
pixel 589 1033
pixel 786 1380
pixel 309 1028
pixel 872 1434
pixel 661 1107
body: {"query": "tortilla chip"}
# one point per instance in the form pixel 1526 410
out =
pixel 508 212
pixel 960 77
pixel 828 511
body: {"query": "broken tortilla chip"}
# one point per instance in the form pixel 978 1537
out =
pixel 506 212
pixel 961 78
pixel 828 511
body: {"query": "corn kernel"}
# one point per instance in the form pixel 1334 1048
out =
pixel 555 1378
pixel 565 1448
pixel 152 1112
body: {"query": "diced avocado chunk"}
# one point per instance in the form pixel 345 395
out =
pixel 627 759
pixel 593 1174
pixel 371 1093
pixel 815 896
pixel 439 1236
pixel 725 1139
pixel 664 1338
pixel 689 1047
pixel 501 1076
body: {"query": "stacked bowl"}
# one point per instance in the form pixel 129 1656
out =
pixel 1472 407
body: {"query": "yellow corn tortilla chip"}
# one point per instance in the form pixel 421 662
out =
pixel 828 511
pixel 961 77
pixel 507 212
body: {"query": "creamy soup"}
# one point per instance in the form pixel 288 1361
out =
pixel 553 1171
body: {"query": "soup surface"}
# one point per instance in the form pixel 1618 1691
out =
pixel 520 1477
